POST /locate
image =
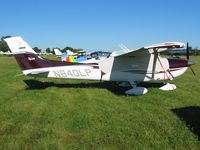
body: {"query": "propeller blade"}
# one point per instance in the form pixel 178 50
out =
pixel 187 52
pixel 192 71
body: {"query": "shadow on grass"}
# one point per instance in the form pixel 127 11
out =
pixel 191 116
pixel 111 86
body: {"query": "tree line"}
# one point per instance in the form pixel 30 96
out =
pixel 4 48
pixel 49 50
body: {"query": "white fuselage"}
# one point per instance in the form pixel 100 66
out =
pixel 113 69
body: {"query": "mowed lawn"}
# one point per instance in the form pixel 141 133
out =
pixel 77 114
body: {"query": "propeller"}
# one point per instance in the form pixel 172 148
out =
pixel 187 52
pixel 188 58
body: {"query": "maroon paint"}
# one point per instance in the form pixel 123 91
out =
pixel 177 63
pixel 32 61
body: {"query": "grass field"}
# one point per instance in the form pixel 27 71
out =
pixel 77 114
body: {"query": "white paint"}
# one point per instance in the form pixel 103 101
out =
pixel 133 66
pixel 17 45
pixel 137 91
pixel 168 87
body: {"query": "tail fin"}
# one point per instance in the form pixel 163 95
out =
pixel 57 52
pixel 70 52
pixel 27 58
pixel 18 46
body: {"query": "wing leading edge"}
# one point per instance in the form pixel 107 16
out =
pixel 152 48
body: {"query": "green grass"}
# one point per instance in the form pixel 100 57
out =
pixel 77 114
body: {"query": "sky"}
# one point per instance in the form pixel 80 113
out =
pixel 101 24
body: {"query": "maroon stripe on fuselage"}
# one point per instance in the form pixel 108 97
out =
pixel 177 63
pixel 96 67
pixel 32 61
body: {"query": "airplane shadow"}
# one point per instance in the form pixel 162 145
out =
pixel 111 86
pixel 191 117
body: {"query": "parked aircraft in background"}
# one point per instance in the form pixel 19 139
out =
pixel 8 53
pixel 57 52
pixel 72 53
pixel 140 65
pixel 99 54
pixel 69 56
pixel 44 53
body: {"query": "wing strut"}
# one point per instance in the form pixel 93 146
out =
pixel 154 62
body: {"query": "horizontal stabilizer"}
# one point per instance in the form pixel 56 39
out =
pixel 41 73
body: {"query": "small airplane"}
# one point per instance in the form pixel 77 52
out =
pixel 69 56
pixel 72 53
pixel 140 65
pixel 99 54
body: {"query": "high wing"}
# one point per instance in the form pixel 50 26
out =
pixel 153 48
pixel 134 53
pixel 166 46
pixel 144 59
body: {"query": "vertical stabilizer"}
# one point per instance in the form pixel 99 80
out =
pixel 57 52
pixel 18 46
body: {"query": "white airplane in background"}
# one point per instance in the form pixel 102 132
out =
pixel 8 53
pixel 140 65
pixel 57 52
pixel 69 57
pixel 72 53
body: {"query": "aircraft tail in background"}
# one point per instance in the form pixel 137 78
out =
pixel 57 52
